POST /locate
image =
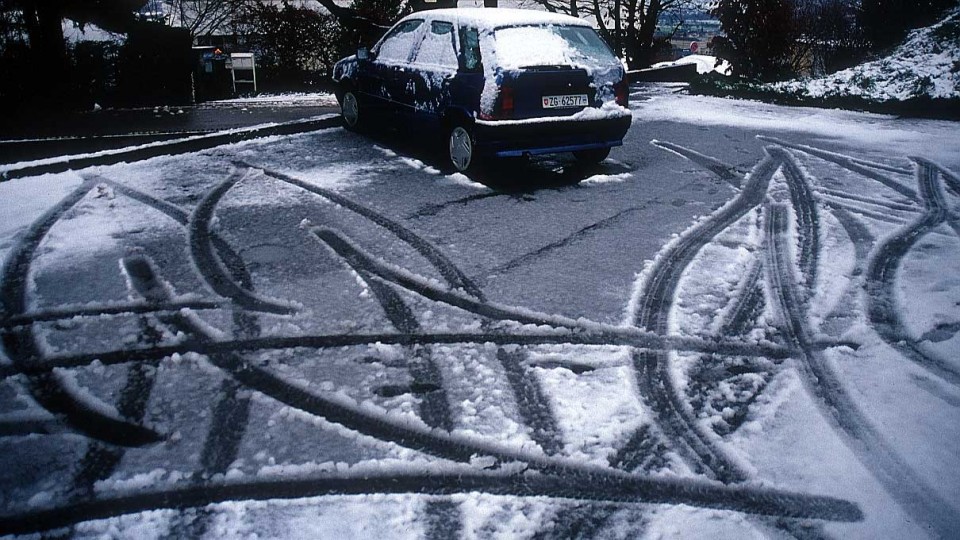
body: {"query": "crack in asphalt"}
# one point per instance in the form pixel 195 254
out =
pixel 566 241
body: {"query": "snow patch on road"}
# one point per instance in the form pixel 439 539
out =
pixel 890 136
pixel 26 199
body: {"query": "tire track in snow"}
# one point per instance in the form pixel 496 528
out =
pixel 21 427
pixel 450 272
pixel 22 349
pixel 862 240
pixel 100 460
pixel 234 265
pixel 895 216
pixel 889 205
pixel 851 512
pixel 447 269
pixel 204 254
pixel 427 380
pixel 640 340
pixel 867 444
pixel 724 171
pixel 443 520
pixel 580 521
pixel 245 323
pixel 442 517
pixel 231 411
pixel 434 407
pixel 881 277
pixel 457 448
pixel 532 404
pixel 951 180
pixel 739 316
pixel 580 329
pixel 861 167
pixel 644 452
pixel 652 312
pixel 807 216
pixel 65 313
pixel 886 218
pixel 463 449
pixel 620 489
pixel 747 304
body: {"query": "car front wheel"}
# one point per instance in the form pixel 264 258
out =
pixel 461 151
pixel 350 109
pixel 593 156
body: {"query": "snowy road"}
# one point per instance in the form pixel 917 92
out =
pixel 745 323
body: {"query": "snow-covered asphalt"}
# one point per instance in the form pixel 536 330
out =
pixel 744 323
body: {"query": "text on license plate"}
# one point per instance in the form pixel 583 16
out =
pixel 560 102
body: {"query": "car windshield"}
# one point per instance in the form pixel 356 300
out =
pixel 551 45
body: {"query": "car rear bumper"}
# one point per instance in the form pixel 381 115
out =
pixel 506 138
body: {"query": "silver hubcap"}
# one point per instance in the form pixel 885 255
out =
pixel 461 148
pixel 350 109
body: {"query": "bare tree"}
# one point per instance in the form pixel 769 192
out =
pixel 204 17
pixel 629 26
pixel 762 36
pixel 828 36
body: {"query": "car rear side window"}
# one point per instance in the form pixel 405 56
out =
pixel 396 46
pixel 438 47
pixel 470 44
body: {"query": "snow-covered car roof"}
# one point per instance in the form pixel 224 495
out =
pixel 492 18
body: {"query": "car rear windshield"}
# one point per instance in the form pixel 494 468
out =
pixel 551 45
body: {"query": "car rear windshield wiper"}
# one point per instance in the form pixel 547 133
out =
pixel 547 67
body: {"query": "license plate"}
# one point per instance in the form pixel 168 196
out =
pixel 563 102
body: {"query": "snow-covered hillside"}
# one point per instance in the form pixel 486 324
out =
pixel 926 65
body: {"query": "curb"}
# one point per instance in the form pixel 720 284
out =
pixel 179 146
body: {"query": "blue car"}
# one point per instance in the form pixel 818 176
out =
pixel 490 82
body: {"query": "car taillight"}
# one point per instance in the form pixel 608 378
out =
pixel 622 91
pixel 504 105
pixel 506 101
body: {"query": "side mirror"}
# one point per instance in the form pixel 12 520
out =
pixel 363 53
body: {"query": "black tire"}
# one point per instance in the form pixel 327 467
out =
pixel 461 149
pixel 593 156
pixel 350 110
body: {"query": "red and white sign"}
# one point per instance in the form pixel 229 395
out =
pixel 694 47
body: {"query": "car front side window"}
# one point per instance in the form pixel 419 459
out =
pixel 438 47
pixel 396 46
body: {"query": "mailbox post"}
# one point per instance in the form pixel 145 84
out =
pixel 243 66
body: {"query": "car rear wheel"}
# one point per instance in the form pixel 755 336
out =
pixel 350 109
pixel 593 156
pixel 461 150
